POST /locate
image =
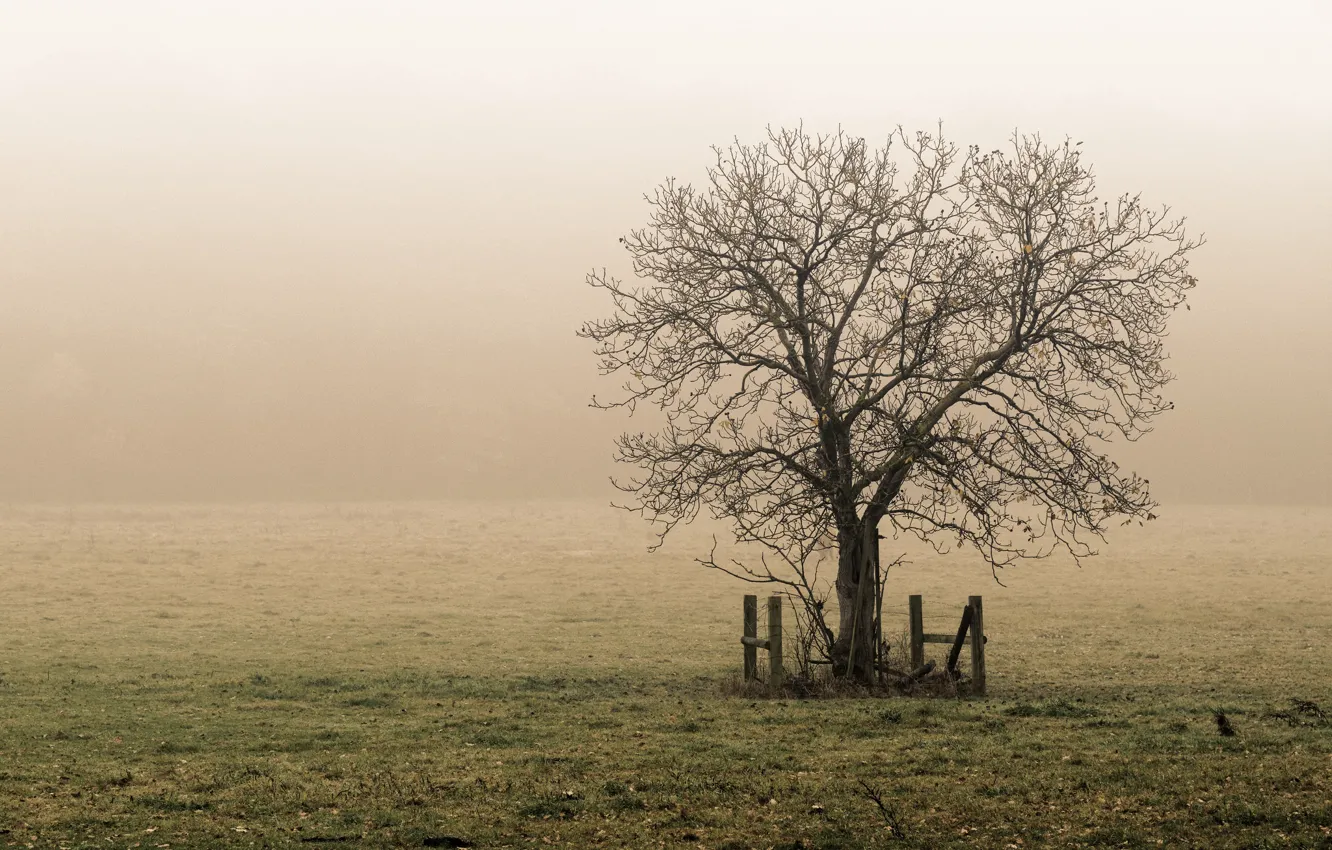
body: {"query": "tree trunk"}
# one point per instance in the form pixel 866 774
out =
pixel 853 652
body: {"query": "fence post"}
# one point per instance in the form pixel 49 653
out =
pixel 977 647
pixel 917 632
pixel 775 674
pixel 751 631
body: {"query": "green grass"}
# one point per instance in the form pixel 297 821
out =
pixel 336 722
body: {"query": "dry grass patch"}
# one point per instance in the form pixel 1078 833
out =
pixel 386 676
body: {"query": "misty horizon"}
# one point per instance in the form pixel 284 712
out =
pixel 342 259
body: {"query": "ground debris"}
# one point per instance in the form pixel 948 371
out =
pixel 1303 713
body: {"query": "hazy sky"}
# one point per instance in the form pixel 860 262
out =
pixel 336 250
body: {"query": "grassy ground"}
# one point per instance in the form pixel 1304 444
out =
pixel 524 675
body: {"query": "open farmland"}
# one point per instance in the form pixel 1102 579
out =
pixel 527 675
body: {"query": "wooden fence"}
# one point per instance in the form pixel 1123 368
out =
pixel 973 622
pixel 773 643
pixel 972 625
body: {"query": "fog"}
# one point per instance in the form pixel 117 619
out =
pixel 335 250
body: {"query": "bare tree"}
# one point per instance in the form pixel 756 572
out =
pixel 836 341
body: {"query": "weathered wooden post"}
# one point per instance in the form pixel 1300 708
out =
pixel 775 673
pixel 977 647
pixel 751 631
pixel 917 631
pixel 961 638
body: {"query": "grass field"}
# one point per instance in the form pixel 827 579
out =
pixel 526 675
